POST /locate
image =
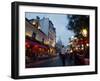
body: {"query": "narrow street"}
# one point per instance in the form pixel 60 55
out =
pixel 50 62
pixel 48 34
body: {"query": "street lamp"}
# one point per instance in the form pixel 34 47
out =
pixel 84 32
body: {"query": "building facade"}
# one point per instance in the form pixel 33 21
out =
pixel 47 27
pixel 43 32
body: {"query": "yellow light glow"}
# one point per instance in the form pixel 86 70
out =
pixel 76 48
pixel 87 44
pixel 82 48
pixel 28 34
pixel 82 45
pixel 84 32
pixel 34 23
pixel 39 27
pixel 71 51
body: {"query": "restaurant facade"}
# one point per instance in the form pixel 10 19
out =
pixel 37 42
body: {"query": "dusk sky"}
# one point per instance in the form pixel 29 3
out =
pixel 60 22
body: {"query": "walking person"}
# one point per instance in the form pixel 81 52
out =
pixel 63 51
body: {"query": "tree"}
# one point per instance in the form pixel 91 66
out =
pixel 77 23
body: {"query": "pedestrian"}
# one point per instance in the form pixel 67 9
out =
pixel 63 52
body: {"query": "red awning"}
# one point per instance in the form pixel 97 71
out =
pixel 32 43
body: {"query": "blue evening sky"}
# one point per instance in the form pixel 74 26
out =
pixel 60 22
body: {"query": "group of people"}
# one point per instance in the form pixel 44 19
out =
pixel 63 55
pixel 77 58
